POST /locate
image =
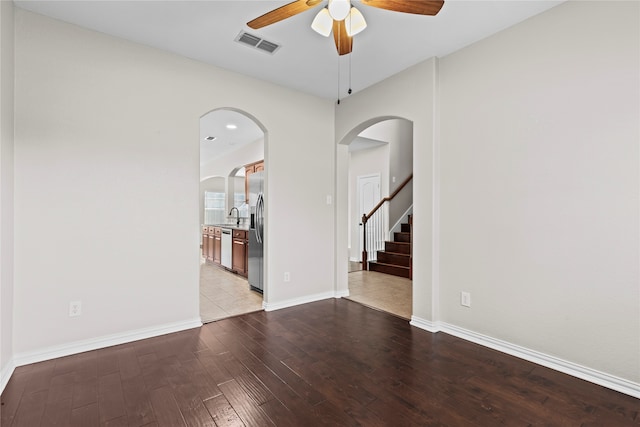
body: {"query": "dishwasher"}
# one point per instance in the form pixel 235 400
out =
pixel 225 248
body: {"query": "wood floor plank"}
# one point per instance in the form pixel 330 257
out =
pixel 334 391
pixel 222 412
pixel 108 362
pixel 327 363
pixel 137 402
pixel 192 407
pixel 57 412
pixel 129 366
pixel 298 398
pixel 85 416
pixel 214 367
pixel 40 376
pixel 61 387
pixel 165 407
pixel 85 392
pixel 12 394
pixel 247 409
pixel 194 375
pixel 31 408
pixel 117 422
pixel 110 397
pixel 187 383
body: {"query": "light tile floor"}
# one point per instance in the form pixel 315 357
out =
pixel 381 291
pixel 224 294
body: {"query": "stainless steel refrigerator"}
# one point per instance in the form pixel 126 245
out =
pixel 256 231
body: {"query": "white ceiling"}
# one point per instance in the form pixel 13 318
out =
pixel 307 62
pixel 226 140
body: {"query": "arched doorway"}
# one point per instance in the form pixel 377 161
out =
pixel 380 154
pixel 232 142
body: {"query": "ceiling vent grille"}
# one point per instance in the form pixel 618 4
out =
pixel 257 42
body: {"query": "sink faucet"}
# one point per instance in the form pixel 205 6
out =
pixel 237 214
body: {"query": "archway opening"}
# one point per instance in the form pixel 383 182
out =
pixel 380 165
pixel 232 145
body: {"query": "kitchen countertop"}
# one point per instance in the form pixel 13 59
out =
pixel 232 226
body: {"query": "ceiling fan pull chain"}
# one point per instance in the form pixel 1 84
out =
pixel 339 34
pixel 350 55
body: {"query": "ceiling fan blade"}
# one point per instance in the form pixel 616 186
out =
pixel 418 7
pixel 344 43
pixel 283 12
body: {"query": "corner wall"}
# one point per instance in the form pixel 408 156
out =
pixel 6 190
pixel 107 184
pixel 526 188
pixel 540 186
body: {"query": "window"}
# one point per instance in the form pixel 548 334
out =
pixel 214 212
pixel 240 203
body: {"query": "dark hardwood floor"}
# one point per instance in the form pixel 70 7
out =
pixel 332 363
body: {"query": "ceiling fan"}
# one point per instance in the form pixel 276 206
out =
pixel 342 18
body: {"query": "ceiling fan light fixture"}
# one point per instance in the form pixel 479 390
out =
pixel 354 22
pixel 339 9
pixel 322 23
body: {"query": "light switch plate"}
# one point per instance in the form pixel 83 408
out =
pixel 465 299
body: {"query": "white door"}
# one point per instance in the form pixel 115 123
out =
pixel 368 197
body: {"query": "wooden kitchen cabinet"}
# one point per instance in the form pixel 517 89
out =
pixel 248 170
pixel 217 245
pixel 239 252
pixel 210 248
pixel 204 246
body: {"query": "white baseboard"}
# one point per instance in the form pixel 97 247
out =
pixel 297 301
pixel 102 342
pixel 427 325
pixel 341 294
pixel 588 374
pixel 6 373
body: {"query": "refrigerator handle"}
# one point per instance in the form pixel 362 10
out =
pixel 259 218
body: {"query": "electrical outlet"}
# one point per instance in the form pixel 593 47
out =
pixel 287 276
pixel 75 308
pixel 465 299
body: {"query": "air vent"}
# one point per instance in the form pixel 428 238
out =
pixel 257 42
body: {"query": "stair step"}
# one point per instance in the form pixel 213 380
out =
pixel 405 228
pixel 394 270
pixel 403 260
pixel 401 237
pixel 397 247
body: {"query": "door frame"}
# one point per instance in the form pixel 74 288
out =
pixel 360 179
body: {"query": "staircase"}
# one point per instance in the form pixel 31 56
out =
pixel 396 257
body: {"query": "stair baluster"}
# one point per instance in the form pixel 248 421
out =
pixel 373 240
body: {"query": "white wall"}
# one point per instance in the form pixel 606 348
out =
pixel 6 190
pixel 540 186
pixel 104 130
pixel 399 134
pixel 534 160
